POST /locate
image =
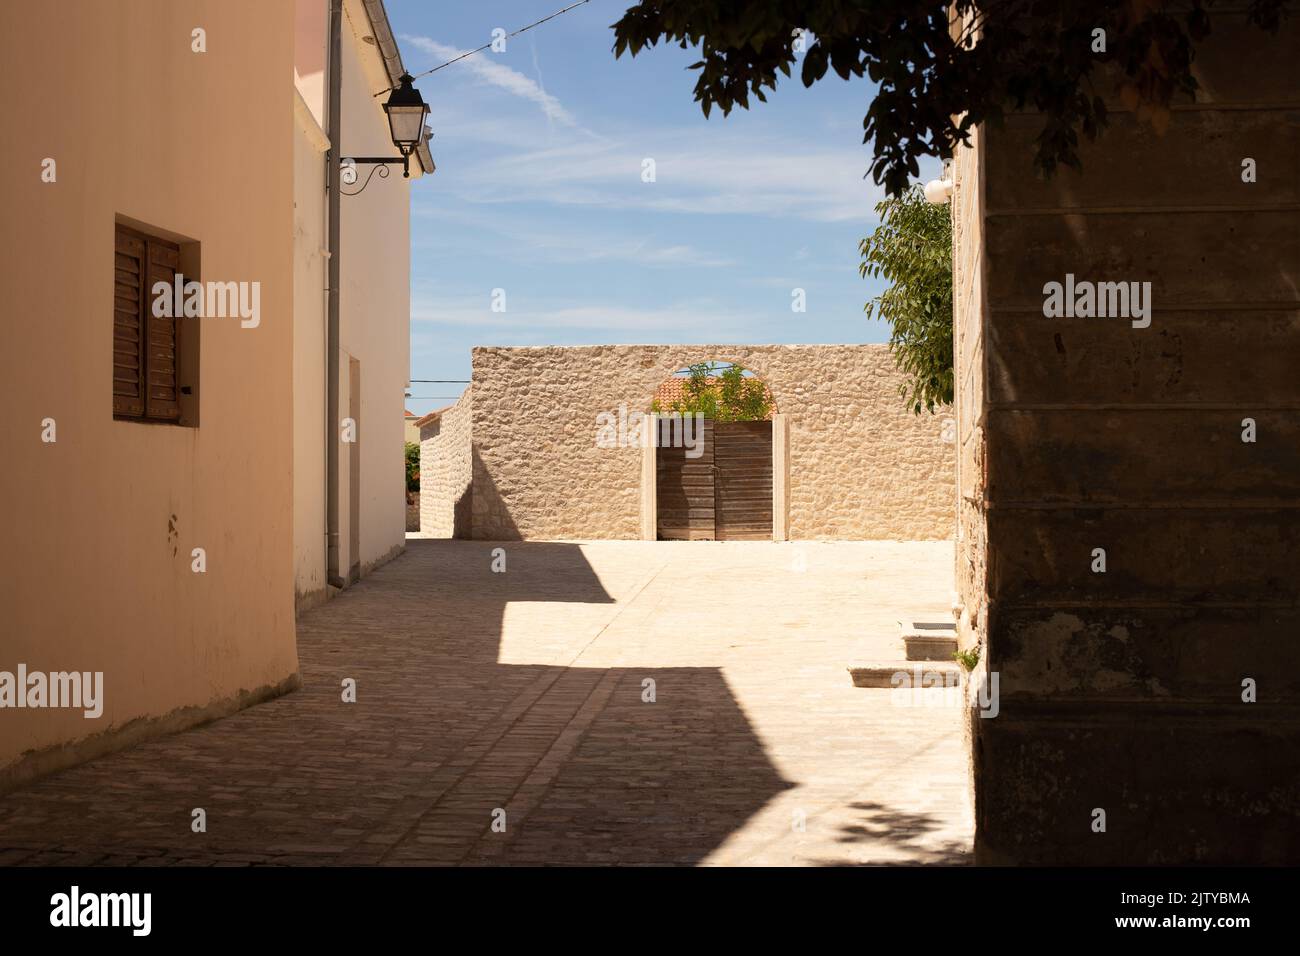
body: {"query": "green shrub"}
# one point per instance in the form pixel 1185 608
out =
pixel 412 467
pixel 912 249
pixel 967 659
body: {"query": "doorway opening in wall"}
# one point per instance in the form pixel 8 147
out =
pixel 714 455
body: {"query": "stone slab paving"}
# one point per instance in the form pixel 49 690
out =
pixel 529 691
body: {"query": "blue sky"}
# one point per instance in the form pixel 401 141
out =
pixel 539 192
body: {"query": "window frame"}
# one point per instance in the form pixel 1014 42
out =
pixel 185 332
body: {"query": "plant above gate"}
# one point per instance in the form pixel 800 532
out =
pixel 722 393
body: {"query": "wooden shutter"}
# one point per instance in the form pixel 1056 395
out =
pixel 128 340
pixel 162 399
pixel 144 345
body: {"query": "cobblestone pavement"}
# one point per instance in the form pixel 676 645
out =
pixel 529 691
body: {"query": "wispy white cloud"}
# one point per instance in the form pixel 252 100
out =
pixel 627 323
pixel 499 75
pixel 811 170
pixel 732 174
pixel 673 256
pixel 574 243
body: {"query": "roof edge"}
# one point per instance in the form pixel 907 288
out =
pixel 392 57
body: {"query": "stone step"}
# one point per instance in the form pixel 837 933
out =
pixel 905 674
pixel 925 647
pixel 929 640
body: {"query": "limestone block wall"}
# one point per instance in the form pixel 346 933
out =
pixel 971 553
pixel 445 471
pixel 862 465
pixel 1128 689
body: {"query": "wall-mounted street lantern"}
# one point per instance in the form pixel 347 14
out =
pixel 406 110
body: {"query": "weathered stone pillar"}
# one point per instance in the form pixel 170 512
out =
pixel 780 478
pixel 1130 529
pixel 649 477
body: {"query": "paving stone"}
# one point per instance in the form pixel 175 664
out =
pixel 526 691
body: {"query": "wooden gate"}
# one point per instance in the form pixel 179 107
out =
pixel 742 460
pixel 723 494
pixel 684 493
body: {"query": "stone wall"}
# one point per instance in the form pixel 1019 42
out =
pixel 862 466
pixel 445 471
pixel 971 552
pixel 1122 690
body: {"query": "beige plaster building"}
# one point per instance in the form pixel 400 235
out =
pixel 106 511
pixel 374 304
pixel 165 476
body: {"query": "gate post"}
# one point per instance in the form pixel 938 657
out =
pixel 780 477
pixel 649 478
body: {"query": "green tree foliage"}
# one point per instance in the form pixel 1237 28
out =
pixel 412 466
pixel 912 250
pixel 933 87
pixel 723 394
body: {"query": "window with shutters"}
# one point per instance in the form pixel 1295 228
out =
pixel 148 350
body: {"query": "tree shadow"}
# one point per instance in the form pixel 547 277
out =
pixel 894 830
